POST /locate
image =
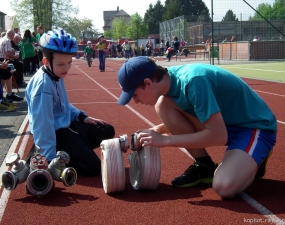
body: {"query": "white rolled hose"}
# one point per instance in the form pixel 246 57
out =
pixel 145 166
pixel 112 164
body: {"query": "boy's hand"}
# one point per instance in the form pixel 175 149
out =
pixel 152 138
pixel 93 121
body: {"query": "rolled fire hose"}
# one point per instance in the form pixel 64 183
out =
pixel 112 164
pixel 145 166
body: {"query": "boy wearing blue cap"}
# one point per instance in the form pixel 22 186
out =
pixel 202 106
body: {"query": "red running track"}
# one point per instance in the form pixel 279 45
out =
pixel 86 203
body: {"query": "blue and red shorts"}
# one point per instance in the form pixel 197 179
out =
pixel 257 143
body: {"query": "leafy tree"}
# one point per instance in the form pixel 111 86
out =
pixel 172 9
pixel 118 29
pixel 81 27
pixel 230 16
pixel 264 9
pixel 204 16
pixel 191 9
pixel 49 13
pixel 137 28
pixel 278 11
pixel 270 12
pixel 153 17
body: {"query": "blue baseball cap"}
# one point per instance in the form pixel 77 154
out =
pixel 131 74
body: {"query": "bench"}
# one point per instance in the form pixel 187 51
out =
pixel 194 49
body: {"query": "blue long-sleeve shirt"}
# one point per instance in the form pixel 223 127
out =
pixel 48 110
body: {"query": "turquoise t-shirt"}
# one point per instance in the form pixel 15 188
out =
pixel 202 90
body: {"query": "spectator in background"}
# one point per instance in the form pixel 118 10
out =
pixel 182 42
pixel 5 106
pixel 39 34
pixel 127 48
pixel 101 46
pixel 88 53
pixel 233 39
pixel 148 48
pixel 28 53
pixel 6 81
pixel 16 30
pixel 36 46
pixel 167 44
pixel 255 38
pixel 175 48
pixel 15 45
pixel 6 52
pixel 94 51
pixel 142 49
pixel 134 49
pixel 161 48
pixel 119 49
pixel 113 50
pixel 208 41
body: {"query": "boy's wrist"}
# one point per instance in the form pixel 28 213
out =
pixel 81 117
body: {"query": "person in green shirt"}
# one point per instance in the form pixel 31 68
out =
pixel 39 34
pixel 28 52
pixel 88 53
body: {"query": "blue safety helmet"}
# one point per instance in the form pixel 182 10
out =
pixel 58 41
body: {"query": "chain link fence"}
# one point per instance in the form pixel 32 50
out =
pixel 251 31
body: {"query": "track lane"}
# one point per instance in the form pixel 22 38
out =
pixel 87 203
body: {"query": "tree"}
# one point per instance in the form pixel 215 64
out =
pixel 118 29
pixel 172 9
pixel 49 13
pixel 264 9
pixel 270 12
pixel 191 9
pixel 204 16
pixel 153 17
pixel 137 28
pixel 230 16
pixel 81 27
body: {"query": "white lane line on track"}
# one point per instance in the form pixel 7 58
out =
pixel 245 197
pixel 271 218
pixel 240 68
pixel 5 193
pixel 270 93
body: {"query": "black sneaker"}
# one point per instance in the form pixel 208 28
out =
pixel 14 97
pixel 262 167
pixel 195 174
pixel 6 100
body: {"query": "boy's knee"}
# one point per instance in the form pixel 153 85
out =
pixel 110 131
pixel 225 188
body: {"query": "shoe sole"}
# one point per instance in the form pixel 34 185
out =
pixel 208 180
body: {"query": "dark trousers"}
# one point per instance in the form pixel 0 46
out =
pixel 79 140
pixel 101 60
pixel 169 54
pixel 19 66
pixel 27 64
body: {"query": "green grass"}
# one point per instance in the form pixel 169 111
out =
pixel 274 71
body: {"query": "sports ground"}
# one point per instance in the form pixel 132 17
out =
pixel 86 202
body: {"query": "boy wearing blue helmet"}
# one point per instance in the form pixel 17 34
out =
pixel 54 122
